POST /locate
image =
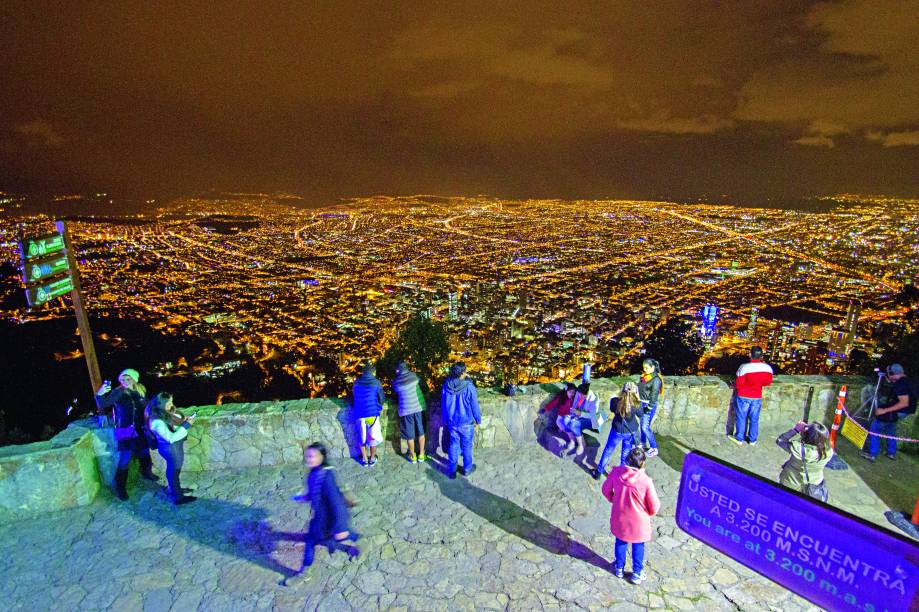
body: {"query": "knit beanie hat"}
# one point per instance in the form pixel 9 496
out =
pixel 132 373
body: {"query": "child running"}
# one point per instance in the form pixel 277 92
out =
pixel 329 522
pixel 635 501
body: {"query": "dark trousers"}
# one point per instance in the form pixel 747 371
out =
pixel 134 447
pixel 174 454
pixel 315 537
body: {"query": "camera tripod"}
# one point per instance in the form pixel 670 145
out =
pixel 870 403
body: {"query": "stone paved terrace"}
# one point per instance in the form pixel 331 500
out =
pixel 527 531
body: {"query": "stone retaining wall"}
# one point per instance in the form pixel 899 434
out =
pixel 70 469
pixel 47 476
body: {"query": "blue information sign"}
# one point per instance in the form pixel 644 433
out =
pixel 828 556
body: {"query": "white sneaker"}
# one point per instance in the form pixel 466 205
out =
pixel 636 578
pixel 652 452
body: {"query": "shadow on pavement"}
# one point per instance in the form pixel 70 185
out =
pixel 242 531
pixel 895 482
pixel 672 451
pixel 514 519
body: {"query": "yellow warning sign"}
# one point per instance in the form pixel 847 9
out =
pixel 852 432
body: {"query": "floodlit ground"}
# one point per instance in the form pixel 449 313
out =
pixel 527 531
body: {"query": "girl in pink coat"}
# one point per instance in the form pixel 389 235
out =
pixel 635 501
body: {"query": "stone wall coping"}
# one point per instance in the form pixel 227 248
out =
pixel 74 432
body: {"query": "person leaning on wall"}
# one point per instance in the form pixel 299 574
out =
pixel 127 403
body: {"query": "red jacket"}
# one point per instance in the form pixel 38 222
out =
pixel 560 403
pixel 751 378
pixel 634 502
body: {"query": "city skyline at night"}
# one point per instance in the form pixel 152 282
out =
pixel 526 289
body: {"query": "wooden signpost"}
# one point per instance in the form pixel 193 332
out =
pixel 49 270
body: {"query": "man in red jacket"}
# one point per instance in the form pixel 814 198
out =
pixel 751 378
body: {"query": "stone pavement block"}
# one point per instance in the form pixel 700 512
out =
pixel 498 541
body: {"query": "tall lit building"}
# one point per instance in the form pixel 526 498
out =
pixel 754 316
pixel 452 306
pixel 709 322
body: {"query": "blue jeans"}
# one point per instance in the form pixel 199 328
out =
pixel 174 454
pixel 638 555
pixel 746 409
pixel 577 425
pixel 887 429
pixel 647 436
pixel 627 439
pixel 460 437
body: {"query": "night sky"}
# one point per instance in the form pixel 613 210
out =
pixel 622 99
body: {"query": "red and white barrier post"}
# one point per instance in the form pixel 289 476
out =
pixel 837 419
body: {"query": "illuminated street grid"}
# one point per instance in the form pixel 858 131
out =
pixel 543 285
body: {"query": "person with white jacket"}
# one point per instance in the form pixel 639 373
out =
pixel 170 431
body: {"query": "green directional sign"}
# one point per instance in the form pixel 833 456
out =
pixel 40 294
pixel 37 271
pixel 36 248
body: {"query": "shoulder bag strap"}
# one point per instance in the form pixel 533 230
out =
pixel 804 463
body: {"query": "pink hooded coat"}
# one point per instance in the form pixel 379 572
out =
pixel 634 500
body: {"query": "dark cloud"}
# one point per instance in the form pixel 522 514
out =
pixel 528 98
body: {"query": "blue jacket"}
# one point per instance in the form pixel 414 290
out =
pixel 368 396
pixel 459 401
pixel 330 512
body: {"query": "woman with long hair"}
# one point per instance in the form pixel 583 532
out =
pixel 561 404
pixel 808 455
pixel 127 404
pixel 650 386
pixel 624 430
pixel 330 518
pixel 170 442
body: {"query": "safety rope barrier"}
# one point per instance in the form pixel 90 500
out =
pixel 870 433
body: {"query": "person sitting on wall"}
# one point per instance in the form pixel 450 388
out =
pixel 127 403
pixel 583 415
pixel 367 394
pixel 561 404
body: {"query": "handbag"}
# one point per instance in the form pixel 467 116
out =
pixel 817 491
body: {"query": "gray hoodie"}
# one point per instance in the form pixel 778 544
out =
pixel 408 391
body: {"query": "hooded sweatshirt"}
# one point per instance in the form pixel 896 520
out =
pixel 408 392
pixel 368 396
pixel 459 401
pixel 634 500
